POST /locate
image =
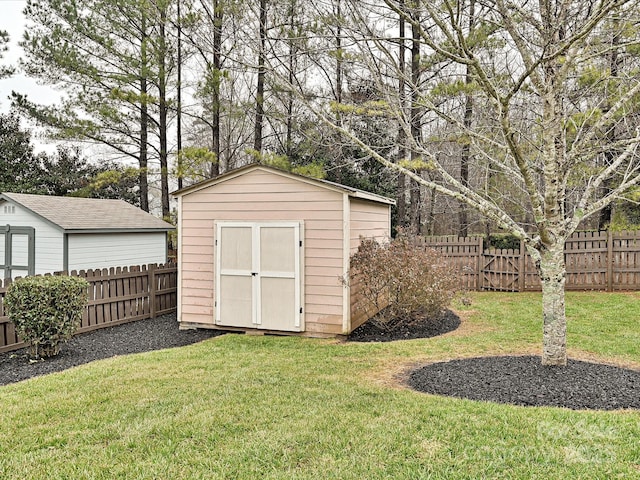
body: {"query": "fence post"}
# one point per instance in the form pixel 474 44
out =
pixel 609 261
pixel 522 265
pixel 479 263
pixel 151 271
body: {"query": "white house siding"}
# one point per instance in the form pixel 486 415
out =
pixel 259 196
pixel 104 250
pixel 49 238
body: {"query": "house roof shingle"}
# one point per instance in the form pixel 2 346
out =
pixel 88 214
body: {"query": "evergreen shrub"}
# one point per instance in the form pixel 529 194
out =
pixel 46 311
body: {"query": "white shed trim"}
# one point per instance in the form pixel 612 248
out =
pixel 179 260
pixel 350 191
pixel 346 249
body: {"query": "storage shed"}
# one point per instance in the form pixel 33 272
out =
pixel 264 250
pixel 44 234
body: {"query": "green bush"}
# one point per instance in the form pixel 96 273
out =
pixel 46 311
pixel 503 241
pixel 401 283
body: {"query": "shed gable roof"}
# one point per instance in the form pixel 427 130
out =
pixel 76 214
pixel 352 192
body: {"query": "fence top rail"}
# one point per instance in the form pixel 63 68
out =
pixel 503 252
pixel 586 236
pixel 451 239
pixel 104 274
pixel 603 234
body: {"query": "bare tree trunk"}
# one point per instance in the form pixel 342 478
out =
pixel 291 77
pixel 336 148
pixel 163 113
pixel 552 272
pixel 218 15
pixel 179 99
pixel 465 156
pixel 144 117
pixel 416 120
pixel 339 62
pixel 402 149
pixel 430 213
pixel 466 148
pixel 553 228
pixel 257 136
pixel 606 214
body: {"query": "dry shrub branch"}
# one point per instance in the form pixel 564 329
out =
pixel 401 282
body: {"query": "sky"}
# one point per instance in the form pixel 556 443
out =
pixel 12 20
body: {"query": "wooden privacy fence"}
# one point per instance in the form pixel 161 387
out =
pixel 116 295
pixel 595 261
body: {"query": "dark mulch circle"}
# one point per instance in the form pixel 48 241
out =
pixel 524 381
pixel 511 379
pixel 134 337
pixel 424 328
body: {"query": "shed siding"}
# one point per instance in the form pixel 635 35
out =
pixel 369 220
pixel 104 250
pixel 263 196
pixel 49 239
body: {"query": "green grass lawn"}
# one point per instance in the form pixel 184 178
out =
pixel 245 407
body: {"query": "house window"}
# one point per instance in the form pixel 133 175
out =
pixel 9 209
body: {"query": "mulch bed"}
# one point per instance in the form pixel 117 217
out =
pixel 428 327
pixel 512 379
pixel 524 381
pixel 134 337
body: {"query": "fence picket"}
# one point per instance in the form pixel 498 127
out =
pixel 594 260
pixel 115 296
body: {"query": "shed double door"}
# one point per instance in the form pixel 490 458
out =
pixel 258 275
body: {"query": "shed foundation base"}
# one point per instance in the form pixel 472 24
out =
pixel 255 331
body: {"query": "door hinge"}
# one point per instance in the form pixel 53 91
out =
pixel 215 304
pixel 300 309
pixel 216 243
pixel 300 242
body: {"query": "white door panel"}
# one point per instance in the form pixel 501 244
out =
pixel 235 303
pixel 258 275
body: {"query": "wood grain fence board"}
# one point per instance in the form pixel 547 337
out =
pixel 116 296
pixel 113 291
pixel 104 314
pixel 120 294
pixel 626 263
pixel 146 308
pixel 594 261
pixel 461 253
pixel 125 293
pixel 91 312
